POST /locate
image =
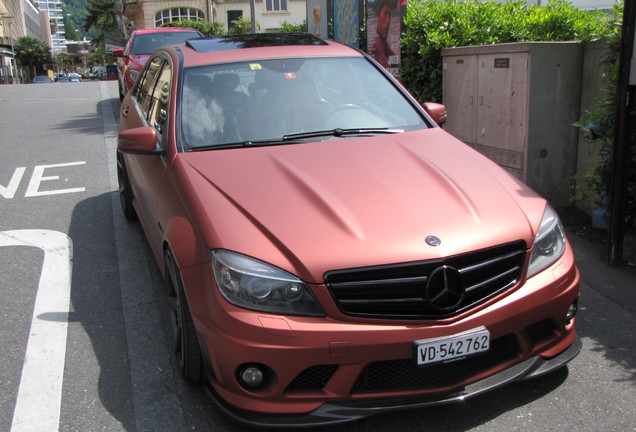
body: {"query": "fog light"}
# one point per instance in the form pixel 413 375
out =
pixel 252 376
pixel 571 312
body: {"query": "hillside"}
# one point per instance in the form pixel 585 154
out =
pixel 75 11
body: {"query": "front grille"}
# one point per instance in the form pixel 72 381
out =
pixel 399 291
pixel 402 375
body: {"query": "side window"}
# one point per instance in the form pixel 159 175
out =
pixel 158 109
pixel 147 84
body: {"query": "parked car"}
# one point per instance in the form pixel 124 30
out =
pixel 74 77
pixel 62 79
pixel 330 252
pixel 97 73
pixel 42 79
pixel 141 44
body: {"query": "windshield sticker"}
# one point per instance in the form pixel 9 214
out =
pixel 255 66
pixel 290 75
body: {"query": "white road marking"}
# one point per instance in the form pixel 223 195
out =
pixel 12 187
pixel 39 398
pixel 39 177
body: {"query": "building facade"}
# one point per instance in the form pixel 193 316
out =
pixel 270 14
pixel 56 19
pixel 18 18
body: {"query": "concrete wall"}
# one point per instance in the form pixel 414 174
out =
pixel 591 89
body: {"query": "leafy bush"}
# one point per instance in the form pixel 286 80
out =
pixel 598 125
pixel 205 27
pixel 433 25
pixel 242 25
pixel 286 27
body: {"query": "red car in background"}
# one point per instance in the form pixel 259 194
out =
pixel 329 251
pixel 141 44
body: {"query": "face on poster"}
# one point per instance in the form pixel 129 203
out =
pixel 317 18
pixel 383 33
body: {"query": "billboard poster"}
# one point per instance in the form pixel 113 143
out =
pixel 317 18
pixel 346 22
pixel 384 22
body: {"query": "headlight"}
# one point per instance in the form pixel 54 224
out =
pixel 252 284
pixel 549 243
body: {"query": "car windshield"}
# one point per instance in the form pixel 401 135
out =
pixel 146 44
pixel 282 100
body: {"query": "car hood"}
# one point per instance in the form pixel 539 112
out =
pixel 319 206
pixel 137 61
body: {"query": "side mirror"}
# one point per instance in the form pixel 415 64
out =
pixel 436 111
pixel 119 52
pixel 141 140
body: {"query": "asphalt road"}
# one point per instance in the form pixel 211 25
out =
pixel 102 327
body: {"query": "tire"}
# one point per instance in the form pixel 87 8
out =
pixel 125 191
pixel 183 335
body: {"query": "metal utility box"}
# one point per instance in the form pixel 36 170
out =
pixel 516 103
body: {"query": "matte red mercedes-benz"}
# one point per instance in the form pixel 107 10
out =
pixel 330 252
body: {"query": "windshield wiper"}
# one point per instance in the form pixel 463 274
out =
pixel 297 136
pixel 238 144
pixel 340 132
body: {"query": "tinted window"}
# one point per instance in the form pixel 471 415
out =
pixel 158 111
pixel 149 43
pixel 147 84
pixel 265 100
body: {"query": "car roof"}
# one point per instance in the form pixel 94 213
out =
pixel 233 48
pixel 164 30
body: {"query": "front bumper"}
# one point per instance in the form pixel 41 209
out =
pixel 336 413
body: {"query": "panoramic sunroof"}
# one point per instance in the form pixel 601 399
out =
pixel 223 43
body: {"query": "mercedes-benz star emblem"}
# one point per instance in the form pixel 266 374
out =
pixel 433 241
pixel 445 289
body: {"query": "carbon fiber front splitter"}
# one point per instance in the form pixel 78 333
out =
pixel 329 414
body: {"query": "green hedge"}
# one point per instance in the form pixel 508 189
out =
pixel 205 27
pixel 432 25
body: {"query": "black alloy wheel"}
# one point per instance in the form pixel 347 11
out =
pixel 183 335
pixel 125 192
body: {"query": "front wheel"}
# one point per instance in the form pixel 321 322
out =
pixel 183 335
pixel 121 91
pixel 125 192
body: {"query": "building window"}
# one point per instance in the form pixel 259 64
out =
pixel 178 14
pixel 233 15
pixel 276 5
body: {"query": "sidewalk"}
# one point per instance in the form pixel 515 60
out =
pixel 591 249
pixel 604 374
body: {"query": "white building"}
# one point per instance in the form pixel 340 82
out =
pixel 56 16
pixel 270 14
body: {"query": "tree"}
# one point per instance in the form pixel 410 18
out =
pixel 64 60
pixel 101 17
pixel 69 31
pixel 32 53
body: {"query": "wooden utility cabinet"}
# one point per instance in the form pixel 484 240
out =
pixel 516 103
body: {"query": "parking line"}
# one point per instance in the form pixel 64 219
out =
pixel 39 398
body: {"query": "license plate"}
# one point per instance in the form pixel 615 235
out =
pixel 443 349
